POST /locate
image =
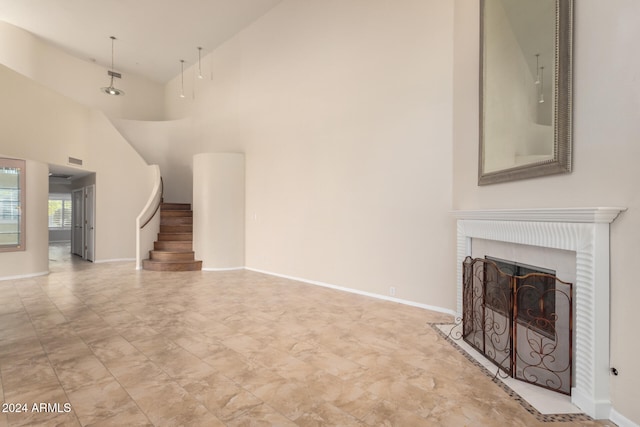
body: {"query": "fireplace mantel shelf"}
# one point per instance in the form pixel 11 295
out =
pixel 576 215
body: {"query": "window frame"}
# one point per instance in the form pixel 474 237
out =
pixel 20 165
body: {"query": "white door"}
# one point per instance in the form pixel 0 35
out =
pixel 89 221
pixel 77 231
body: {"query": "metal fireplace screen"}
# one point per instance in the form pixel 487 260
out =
pixel 520 318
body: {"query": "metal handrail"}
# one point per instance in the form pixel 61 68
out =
pixel 157 205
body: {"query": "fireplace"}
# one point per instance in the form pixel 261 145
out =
pixel 520 318
pixel 584 233
pixel 533 291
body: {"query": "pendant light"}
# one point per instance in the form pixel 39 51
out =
pixel 200 76
pixel 182 78
pixel 541 95
pixel 112 90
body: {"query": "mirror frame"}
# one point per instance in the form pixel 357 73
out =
pixel 562 113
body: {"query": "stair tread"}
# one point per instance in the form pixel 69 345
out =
pixel 173 245
pixel 175 239
pixel 176 220
pixel 186 228
pixel 175 206
pixel 154 265
pixel 177 212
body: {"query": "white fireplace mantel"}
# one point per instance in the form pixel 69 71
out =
pixel 581 215
pixel 586 232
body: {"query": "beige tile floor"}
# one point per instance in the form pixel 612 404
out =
pixel 138 348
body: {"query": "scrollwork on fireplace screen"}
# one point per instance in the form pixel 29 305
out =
pixel 523 324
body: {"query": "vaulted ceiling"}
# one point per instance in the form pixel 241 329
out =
pixel 152 35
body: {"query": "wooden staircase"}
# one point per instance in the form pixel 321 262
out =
pixel 173 251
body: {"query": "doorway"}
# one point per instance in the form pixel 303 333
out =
pixel 77 231
pixel 83 231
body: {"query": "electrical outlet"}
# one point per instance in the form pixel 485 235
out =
pixel 392 291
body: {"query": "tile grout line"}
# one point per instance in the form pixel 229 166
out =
pixel 45 350
pixel 92 352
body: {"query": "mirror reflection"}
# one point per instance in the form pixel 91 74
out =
pixel 519 103
pixel 519 64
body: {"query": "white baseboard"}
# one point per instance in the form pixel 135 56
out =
pixel 224 269
pixel 359 292
pixel 25 276
pixel 621 420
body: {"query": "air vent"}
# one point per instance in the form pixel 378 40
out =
pixel 74 161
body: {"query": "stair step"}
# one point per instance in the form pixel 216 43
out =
pixel 175 237
pixel 175 206
pixel 177 220
pixel 185 228
pixel 176 246
pixel 171 256
pixel 164 214
pixel 173 251
pixel 149 264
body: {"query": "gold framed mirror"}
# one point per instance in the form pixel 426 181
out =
pixel 525 89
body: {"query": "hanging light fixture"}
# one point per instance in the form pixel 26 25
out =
pixel 537 82
pixel 112 90
pixel 541 91
pixel 200 76
pixel 182 78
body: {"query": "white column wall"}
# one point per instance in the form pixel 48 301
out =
pixel 218 210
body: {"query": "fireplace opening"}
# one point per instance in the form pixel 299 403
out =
pixel 537 299
pixel 520 317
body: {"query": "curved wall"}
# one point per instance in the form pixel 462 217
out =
pixel 218 210
pixel 167 144
pixel 34 260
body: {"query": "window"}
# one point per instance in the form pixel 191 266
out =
pixel 59 211
pixel 12 205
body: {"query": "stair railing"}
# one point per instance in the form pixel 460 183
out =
pixel 158 203
pixel 144 238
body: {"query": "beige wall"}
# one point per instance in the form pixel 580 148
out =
pixel 124 182
pixel 606 152
pixel 344 112
pixel 41 125
pixel 34 260
pixel 78 79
